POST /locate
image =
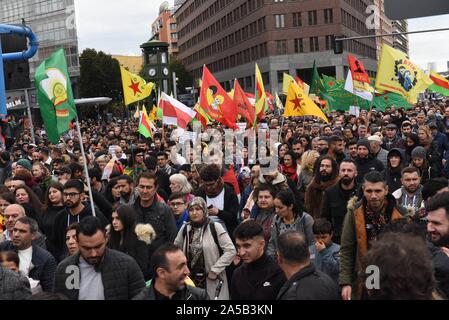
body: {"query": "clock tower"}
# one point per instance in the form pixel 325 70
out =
pixel 156 62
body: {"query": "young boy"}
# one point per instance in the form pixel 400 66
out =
pixel 324 254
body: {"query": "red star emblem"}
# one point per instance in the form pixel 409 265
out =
pixel 331 83
pixel 297 102
pixel 135 87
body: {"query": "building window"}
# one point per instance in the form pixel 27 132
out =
pixel 312 18
pixel 329 43
pixel 297 19
pixel 172 26
pixel 328 16
pixel 174 35
pixel 280 21
pixel 313 44
pixel 281 46
pixel 299 45
pixel 276 1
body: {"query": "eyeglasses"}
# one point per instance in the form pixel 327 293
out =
pixel 71 194
pixel 176 204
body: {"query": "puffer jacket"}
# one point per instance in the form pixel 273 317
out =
pixel 121 276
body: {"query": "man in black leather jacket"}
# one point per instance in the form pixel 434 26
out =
pixel 170 274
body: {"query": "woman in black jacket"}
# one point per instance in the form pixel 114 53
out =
pixel 53 203
pixel 131 238
pixel 395 164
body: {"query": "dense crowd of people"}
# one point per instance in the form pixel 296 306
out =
pixel 360 191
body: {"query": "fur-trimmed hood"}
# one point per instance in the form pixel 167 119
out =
pixel 145 233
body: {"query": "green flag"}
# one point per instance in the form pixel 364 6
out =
pixel 390 99
pixel 54 94
pixel 338 98
pixel 316 86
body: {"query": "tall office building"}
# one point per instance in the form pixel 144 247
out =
pixel 164 27
pixel 229 36
pixel 53 21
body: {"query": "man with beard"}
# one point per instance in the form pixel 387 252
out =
pixel 438 236
pixel 75 211
pixel 336 197
pixel 97 272
pixel 336 149
pixel 391 140
pixel 409 195
pixel 325 175
pixel 365 161
pixel 363 223
pixel 127 192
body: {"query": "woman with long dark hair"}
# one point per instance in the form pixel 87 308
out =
pixel 53 203
pixel 131 238
pixel 30 202
pixel 289 216
pixel 289 166
pixel 112 192
pixel 411 141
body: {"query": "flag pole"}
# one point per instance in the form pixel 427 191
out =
pixel 86 171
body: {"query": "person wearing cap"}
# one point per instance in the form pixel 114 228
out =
pixel 391 140
pixel 378 152
pixel 24 164
pixel 365 160
pixel 208 248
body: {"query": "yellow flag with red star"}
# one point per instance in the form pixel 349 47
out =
pixel 134 87
pixel 298 104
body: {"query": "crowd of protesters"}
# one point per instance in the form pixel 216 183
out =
pixel 361 190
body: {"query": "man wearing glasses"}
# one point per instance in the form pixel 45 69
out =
pixel 75 210
pixel 177 203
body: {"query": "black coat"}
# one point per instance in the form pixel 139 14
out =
pixel 260 280
pixel 121 276
pixel 334 206
pixel 44 265
pixel 62 220
pixel 188 293
pixel 230 209
pixel 366 165
pixel 309 284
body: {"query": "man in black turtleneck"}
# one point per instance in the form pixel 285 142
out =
pixel 259 277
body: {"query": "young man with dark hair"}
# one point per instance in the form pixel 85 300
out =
pixel 95 180
pixel 304 281
pixel 103 273
pixel 365 160
pixel 409 195
pixel 352 149
pixel 75 211
pixel 150 209
pixel 324 254
pixel 177 202
pixel 162 163
pixel 127 192
pixel 170 269
pixel 438 235
pixel 362 224
pixel 259 277
pixel 336 148
pixel 223 204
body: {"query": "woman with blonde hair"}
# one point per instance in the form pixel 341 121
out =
pixel 308 160
pixel 179 183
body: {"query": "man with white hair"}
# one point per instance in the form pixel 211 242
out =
pixel 378 152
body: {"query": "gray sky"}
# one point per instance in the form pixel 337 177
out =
pixel 121 26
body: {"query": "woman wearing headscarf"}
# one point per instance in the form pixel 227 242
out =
pixel 208 248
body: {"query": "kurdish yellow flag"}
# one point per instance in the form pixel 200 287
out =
pixel 286 81
pixel 298 104
pixel 396 73
pixel 260 95
pixel 134 87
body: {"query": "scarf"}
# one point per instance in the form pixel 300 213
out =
pixel 375 221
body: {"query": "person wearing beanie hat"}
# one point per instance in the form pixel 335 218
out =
pixel 208 248
pixel 420 161
pixel 25 164
pixel 365 160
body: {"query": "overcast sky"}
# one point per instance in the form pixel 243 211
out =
pixel 121 26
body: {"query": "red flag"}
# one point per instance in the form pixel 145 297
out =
pixel 216 102
pixel 358 71
pixel 244 107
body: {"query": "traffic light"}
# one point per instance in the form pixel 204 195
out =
pixel 338 45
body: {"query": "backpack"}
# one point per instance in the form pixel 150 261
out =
pixel 213 231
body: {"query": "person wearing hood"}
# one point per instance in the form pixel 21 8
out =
pixel 365 161
pixel 395 164
pixel 131 238
pixel 75 210
pixel 208 248
pixel 409 195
